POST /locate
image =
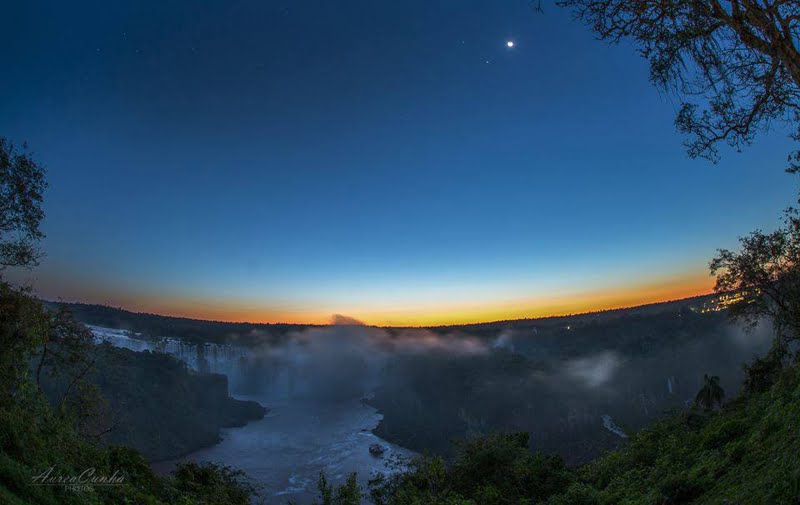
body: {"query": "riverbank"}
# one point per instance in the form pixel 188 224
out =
pixel 283 453
pixel 157 405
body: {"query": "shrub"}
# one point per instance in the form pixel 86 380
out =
pixel 675 489
pixel 577 494
pixel 723 432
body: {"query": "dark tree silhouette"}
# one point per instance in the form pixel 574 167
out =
pixel 711 394
pixel 734 64
pixel 347 494
pixel 22 185
pixel 764 278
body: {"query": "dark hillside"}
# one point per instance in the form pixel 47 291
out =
pixel 189 330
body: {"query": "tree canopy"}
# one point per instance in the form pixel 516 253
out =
pixel 764 276
pixel 710 394
pixel 734 64
pixel 22 185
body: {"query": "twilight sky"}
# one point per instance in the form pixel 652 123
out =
pixel 286 160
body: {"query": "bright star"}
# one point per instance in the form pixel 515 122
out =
pixel 510 44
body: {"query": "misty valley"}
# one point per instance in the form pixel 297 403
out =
pixel 578 385
pixel 314 252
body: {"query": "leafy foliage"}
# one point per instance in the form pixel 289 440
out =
pixel 35 436
pixel 541 386
pixel 734 64
pixel 23 328
pixel 22 185
pixel 210 483
pixel 35 344
pixel 710 394
pixel 762 373
pixel 495 469
pixel 348 493
pixel 765 276
pixel 190 407
pixel 744 453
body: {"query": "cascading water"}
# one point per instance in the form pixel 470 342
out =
pixel 314 423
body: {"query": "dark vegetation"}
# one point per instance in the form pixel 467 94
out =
pixel 62 435
pixel 156 405
pixel 734 65
pixel 22 184
pixel 745 453
pixel 557 381
pixel 196 331
pixel 191 331
pixel 746 450
pixel 599 317
pixel 736 68
pixel 55 412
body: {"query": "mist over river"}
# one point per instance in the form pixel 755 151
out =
pixel 303 433
pixel 578 387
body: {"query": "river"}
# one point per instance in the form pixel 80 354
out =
pixel 301 435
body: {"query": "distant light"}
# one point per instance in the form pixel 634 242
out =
pixel 510 44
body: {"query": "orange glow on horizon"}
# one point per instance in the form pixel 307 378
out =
pixel 575 302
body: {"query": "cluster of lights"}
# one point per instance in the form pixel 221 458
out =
pixel 723 302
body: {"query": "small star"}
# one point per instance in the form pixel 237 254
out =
pixel 510 44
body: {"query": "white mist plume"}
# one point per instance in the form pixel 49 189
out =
pixel 505 340
pixel 346 358
pixel 594 371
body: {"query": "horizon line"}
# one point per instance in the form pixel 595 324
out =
pixel 451 325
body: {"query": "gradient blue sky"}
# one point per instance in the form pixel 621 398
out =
pixel 395 161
